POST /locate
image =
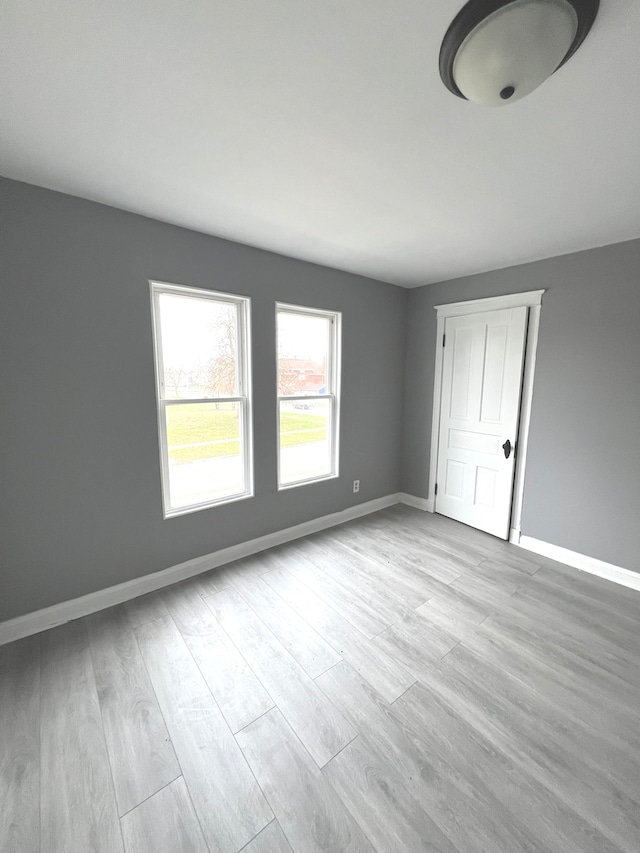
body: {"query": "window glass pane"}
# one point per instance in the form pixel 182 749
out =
pixel 199 347
pixel 205 452
pixel 305 446
pixel 303 354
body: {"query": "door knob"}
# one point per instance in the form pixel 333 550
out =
pixel 507 449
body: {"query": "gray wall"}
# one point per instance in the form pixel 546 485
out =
pixel 582 488
pixel 80 497
pixel 80 501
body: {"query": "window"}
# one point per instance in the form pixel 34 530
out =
pixel 202 381
pixel 308 352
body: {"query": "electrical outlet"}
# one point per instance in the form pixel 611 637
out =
pixel 356 486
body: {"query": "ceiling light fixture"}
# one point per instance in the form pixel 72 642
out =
pixel 497 51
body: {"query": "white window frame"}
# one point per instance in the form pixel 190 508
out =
pixel 243 399
pixel 333 390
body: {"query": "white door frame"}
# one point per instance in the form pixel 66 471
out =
pixel 533 300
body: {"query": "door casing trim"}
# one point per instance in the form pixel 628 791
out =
pixel 532 299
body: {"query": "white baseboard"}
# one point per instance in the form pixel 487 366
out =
pixel 425 504
pixel 625 577
pixel 58 614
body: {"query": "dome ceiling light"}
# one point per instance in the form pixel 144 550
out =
pixel 497 51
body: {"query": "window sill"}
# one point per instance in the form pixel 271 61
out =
pixel 173 513
pixel 283 487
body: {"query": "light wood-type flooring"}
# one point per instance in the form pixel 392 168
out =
pixel 399 683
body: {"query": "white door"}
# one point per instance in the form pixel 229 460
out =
pixel 480 404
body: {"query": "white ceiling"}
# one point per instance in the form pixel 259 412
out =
pixel 321 130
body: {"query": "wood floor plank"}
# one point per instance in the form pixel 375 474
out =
pixel 448 618
pixel 270 840
pixel 214 580
pixel 584 591
pixel 309 811
pixel 351 607
pixel 229 805
pixel 381 670
pixel 467 697
pixel 165 823
pixel 239 694
pixel 317 723
pixel 442 567
pixel 185 603
pixel 505 552
pixel 145 608
pixel 486 596
pixel 140 752
pixel 542 745
pixel 392 549
pixel 489 596
pixel 20 746
pixel 415 641
pixel 444 534
pixel 600 636
pixel 468 815
pixel 603 615
pixel 583 660
pixel 595 729
pixel 301 641
pixel 595 588
pixel 78 806
pixel 331 578
pixel 436 539
pixel 469 606
pixel 497 572
pixel 373 790
pixel 542 758
pixel 389 593
pixel 455 731
pixel 562 687
pixel 572 628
